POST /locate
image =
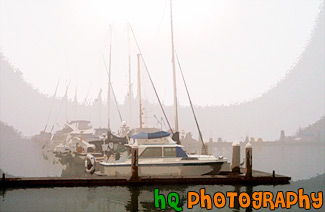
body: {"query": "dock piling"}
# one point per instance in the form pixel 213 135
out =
pixel 235 166
pixel 134 167
pixel 249 160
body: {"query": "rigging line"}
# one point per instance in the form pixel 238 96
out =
pixel 105 65
pixel 65 96
pixel 116 103
pixel 189 98
pixel 158 121
pixel 162 120
pixel 48 117
pixel 107 33
pixel 86 99
pixel 154 88
pixel 162 17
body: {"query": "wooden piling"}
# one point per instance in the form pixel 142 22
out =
pixel 249 160
pixel 235 166
pixel 134 164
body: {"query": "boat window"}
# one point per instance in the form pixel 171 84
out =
pixel 180 152
pixel 152 152
pixel 169 152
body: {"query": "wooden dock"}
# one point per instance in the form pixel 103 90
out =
pixel 226 178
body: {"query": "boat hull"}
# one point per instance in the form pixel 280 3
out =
pixel 167 169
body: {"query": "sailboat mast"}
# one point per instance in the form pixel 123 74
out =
pixel 75 103
pixel 139 92
pixel 109 82
pixel 53 99
pixel 174 74
pixel 130 82
pixel 99 101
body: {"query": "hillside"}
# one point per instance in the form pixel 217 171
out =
pixel 19 156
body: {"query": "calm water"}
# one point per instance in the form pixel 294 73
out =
pixel 129 198
pixel 299 162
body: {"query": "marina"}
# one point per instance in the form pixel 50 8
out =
pixel 161 105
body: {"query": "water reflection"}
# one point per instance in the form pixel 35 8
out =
pixel 142 197
pixel 133 204
pixel 236 201
pixel 135 198
pixel 249 191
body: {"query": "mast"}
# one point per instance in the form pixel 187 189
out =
pixel 75 104
pixel 66 102
pixel 130 82
pixel 99 102
pixel 116 103
pixel 153 86
pixel 65 96
pixel 139 92
pixel 114 96
pixel 109 82
pixel 48 117
pixel 176 134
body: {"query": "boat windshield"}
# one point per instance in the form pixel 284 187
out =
pixel 169 152
pixel 152 152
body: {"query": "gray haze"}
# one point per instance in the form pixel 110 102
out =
pixel 231 51
pixel 295 104
pixel 296 101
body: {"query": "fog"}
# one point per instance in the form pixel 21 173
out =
pixel 280 85
pixel 295 101
pixel 230 51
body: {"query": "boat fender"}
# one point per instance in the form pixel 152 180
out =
pixel 110 145
pixel 90 164
pixel 78 148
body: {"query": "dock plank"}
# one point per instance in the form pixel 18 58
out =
pixel 259 178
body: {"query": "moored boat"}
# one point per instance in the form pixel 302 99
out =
pixel 159 155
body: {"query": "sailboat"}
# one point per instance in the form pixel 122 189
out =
pixel 159 153
pixel 104 143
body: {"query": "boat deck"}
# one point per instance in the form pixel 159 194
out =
pixel 225 178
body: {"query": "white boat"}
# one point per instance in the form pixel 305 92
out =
pixel 159 155
pixel 77 132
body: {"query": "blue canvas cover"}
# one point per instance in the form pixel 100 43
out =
pixel 143 135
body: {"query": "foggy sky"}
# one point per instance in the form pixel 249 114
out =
pixel 230 50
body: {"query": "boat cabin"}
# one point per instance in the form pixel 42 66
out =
pixel 157 145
